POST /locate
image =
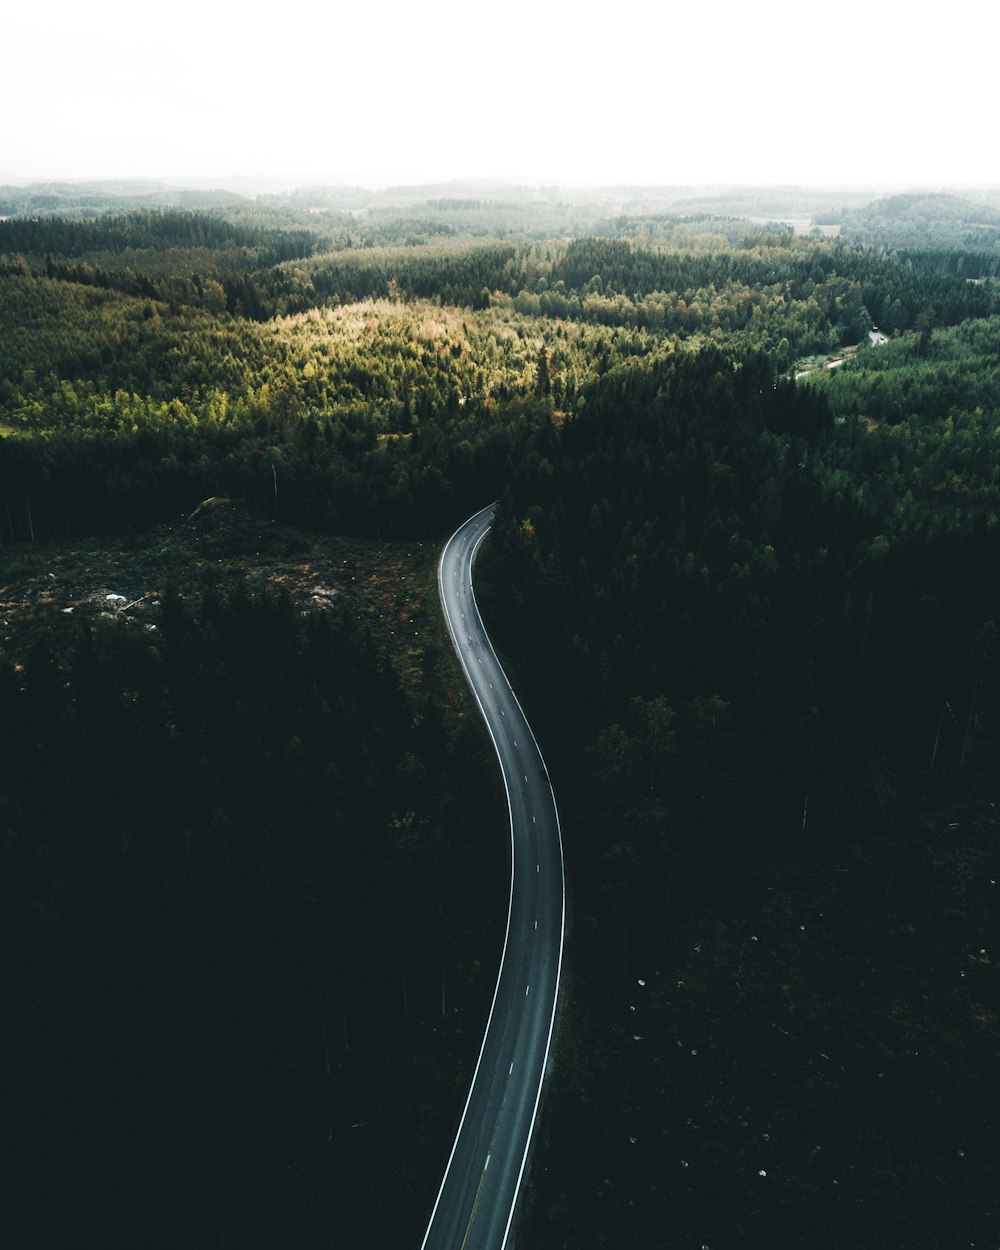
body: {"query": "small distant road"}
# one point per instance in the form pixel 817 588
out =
pixel 875 337
pixel 475 1204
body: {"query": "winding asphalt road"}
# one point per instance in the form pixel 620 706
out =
pixel 475 1204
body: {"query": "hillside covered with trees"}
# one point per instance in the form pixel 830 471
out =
pixel 253 875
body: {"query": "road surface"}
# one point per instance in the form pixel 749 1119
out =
pixel 475 1204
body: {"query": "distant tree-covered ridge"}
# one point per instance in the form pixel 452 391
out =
pixel 152 229
pixel 149 360
pixel 92 199
pixel 939 221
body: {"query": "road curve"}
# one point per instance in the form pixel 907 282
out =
pixel 475 1204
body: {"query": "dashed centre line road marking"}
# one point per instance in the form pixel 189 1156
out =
pixel 475 1205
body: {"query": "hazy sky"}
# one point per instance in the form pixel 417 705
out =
pixel 704 91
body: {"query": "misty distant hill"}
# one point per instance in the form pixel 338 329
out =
pixel 84 199
pixel 914 219
pixel 920 220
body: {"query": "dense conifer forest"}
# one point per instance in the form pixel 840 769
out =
pixel 744 571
